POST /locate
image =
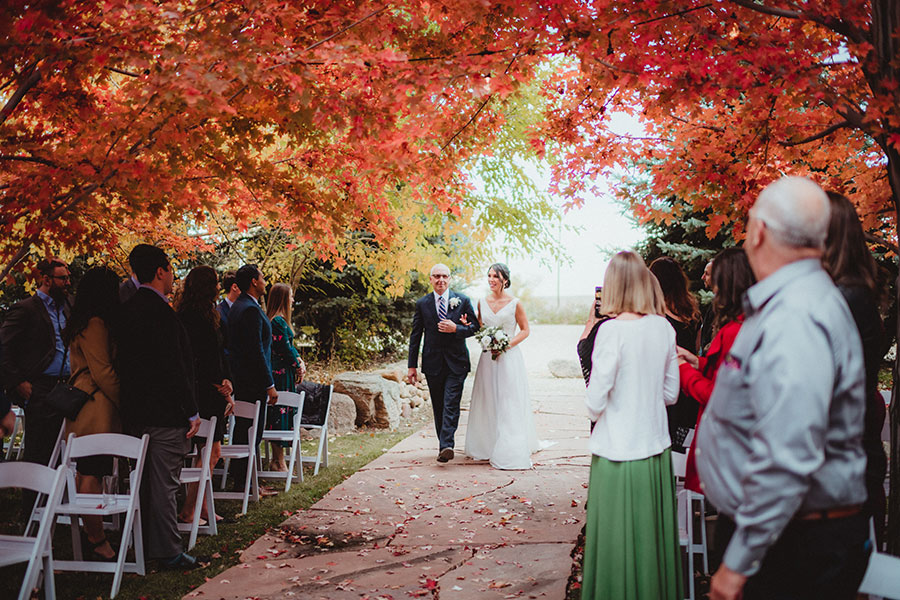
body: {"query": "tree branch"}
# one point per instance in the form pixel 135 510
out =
pixel 31 159
pixel 768 10
pixel 123 72
pixel 28 83
pixel 818 136
pixel 878 241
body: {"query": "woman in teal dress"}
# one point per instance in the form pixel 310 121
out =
pixel 287 366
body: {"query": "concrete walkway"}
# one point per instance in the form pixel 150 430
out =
pixel 406 526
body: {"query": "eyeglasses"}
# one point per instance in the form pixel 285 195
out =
pixel 62 277
pixel 440 276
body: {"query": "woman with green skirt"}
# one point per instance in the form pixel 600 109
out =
pixel 631 547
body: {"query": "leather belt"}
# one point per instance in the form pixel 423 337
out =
pixel 839 512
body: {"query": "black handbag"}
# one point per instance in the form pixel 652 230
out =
pixel 66 399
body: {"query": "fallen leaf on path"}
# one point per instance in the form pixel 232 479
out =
pixel 496 585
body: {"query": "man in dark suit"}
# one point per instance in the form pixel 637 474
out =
pixel 156 376
pixel 447 319
pixel 7 416
pixel 250 355
pixel 35 358
pixel 232 291
pixel 128 287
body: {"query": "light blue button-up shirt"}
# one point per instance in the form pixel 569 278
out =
pixel 58 319
pixel 782 433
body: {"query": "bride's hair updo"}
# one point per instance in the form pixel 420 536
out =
pixel 501 270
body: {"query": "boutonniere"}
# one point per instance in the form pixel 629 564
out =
pixel 454 302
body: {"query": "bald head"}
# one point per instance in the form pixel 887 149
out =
pixel 795 211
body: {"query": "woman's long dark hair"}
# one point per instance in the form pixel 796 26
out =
pixel 847 258
pixel 674 283
pixel 731 277
pixel 199 294
pixel 97 296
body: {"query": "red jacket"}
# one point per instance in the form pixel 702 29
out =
pixel 699 383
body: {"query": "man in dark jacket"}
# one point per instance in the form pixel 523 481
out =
pixel 155 369
pixel 34 357
pixel 250 355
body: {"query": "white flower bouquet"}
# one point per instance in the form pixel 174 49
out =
pixel 493 340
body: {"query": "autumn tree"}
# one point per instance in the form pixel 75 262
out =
pixel 317 118
pixel 732 94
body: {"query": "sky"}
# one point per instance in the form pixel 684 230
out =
pixel 601 229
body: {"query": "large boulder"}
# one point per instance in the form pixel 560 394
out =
pixel 342 416
pixel 377 399
pixel 565 368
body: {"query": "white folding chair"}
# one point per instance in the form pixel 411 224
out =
pixel 202 477
pixel 59 449
pixel 882 578
pixel 321 456
pixel 687 537
pixel 77 504
pixel 15 449
pixel 37 551
pixel 294 401
pixel 243 410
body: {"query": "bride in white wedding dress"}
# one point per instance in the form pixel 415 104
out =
pixel 501 424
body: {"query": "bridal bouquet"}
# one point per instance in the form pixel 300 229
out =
pixel 493 340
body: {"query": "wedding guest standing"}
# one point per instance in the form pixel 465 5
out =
pixel 156 372
pixel 683 313
pixel 250 356
pixel 91 356
pixel 631 547
pixel 730 278
pixel 779 450
pixel 35 357
pixel 197 311
pixel 287 366
pixel 850 264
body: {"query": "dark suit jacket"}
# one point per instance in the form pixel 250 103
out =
pixel 223 309
pixel 249 349
pixel 29 342
pixel 126 290
pixel 155 364
pixel 441 348
pixel 5 404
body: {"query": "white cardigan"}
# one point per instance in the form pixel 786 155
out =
pixel 634 375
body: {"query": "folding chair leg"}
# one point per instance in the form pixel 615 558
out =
pixel 225 464
pixel 291 465
pixel 75 529
pixel 138 541
pixel 325 456
pixel 323 443
pixel 49 579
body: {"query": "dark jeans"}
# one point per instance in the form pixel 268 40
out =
pixel 812 560
pixel 238 466
pixel 446 391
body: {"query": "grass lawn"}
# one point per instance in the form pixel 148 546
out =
pixel 348 453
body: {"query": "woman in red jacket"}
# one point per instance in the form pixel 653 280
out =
pixel 731 276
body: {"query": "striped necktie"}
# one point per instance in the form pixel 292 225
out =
pixel 442 310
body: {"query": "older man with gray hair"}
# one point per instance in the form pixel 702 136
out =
pixel 779 449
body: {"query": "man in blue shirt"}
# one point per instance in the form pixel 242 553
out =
pixel 35 358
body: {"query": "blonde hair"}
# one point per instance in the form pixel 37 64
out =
pixel 278 303
pixel 629 286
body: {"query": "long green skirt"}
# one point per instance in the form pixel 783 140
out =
pixel 631 549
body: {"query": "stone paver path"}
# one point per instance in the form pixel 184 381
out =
pixel 406 526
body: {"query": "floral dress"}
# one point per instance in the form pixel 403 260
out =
pixel 285 361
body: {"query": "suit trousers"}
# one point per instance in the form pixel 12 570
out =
pixel 446 392
pixel 41 429
pixel 238 466
pixel 823 559
pixel 159 484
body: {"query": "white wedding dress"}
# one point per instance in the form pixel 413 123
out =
pixel 501 424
